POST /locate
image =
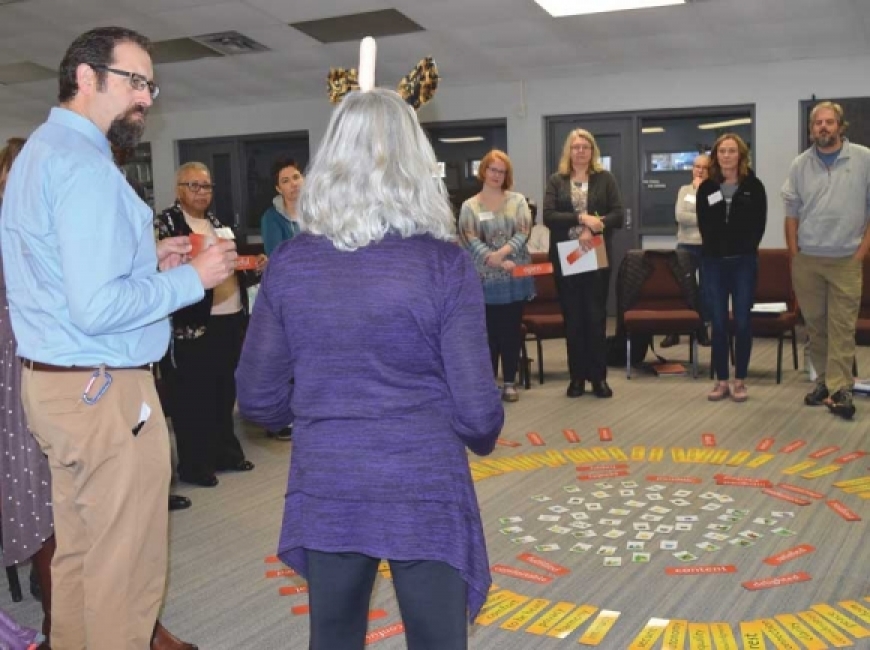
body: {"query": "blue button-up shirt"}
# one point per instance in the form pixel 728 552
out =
pixel 79 254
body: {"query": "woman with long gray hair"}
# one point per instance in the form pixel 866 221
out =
pixel 378 318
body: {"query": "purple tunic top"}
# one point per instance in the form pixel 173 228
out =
pixel 386 347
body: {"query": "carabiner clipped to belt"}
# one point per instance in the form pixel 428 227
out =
pixel 107 381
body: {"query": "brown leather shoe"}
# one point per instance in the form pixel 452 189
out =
pixel 164 640
pixel 720 391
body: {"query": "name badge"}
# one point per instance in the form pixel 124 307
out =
pixel 691 198
pixel 486 216
pixel 224 233
pixel 714 198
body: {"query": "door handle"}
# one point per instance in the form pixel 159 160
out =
pixel 628 222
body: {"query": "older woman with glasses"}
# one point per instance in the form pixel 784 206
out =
pixel 582 201
pixel 494 227
pixel 206 342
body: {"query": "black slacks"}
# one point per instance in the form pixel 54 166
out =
pixel 432 600
pixel 203 394
pixel 504 331
pixel 583 298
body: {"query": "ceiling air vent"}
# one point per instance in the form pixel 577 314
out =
pixel 180 49
pixel 231 43
pixel 353 27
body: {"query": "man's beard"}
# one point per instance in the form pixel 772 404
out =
pixel 125 132
pixel 825 140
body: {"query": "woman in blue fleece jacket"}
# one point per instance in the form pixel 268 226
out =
pixel 278 222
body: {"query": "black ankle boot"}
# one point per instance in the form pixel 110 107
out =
pixel 576 388
pixel 601 389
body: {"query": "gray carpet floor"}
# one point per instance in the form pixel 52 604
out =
pixel 219 596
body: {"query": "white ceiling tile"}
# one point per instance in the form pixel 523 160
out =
pixel 157 7
pixel 489 40
pixel 217 18
pixel 302 10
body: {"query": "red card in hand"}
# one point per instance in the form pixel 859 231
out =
pixel 246 262
pixel 197 244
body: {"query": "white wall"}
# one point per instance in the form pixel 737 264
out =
pixel 775 89
pixel 17 130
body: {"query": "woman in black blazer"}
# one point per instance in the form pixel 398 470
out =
pixel 732 214
pixel 580 202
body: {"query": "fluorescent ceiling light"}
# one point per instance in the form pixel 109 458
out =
pixel 473 138
pixel 558 8
pixel 725 124
pixel 653 129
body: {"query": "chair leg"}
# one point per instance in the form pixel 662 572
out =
pixel 521 364
pixel 854 366
pixel 794 353
pixel 693 351
pixel 525 366
pixel 627 356
pixel 711 362
pixel 540 362
pixel 779 359
pixel 14 583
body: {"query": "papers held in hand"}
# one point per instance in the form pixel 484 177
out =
pixel 573 259
pixel 769 308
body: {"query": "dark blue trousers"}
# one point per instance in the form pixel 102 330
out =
pixel 734 278
pixel 432 601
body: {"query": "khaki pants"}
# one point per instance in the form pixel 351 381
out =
pixel 829 294
pixel 110 490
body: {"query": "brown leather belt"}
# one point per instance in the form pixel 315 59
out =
pixel 47 367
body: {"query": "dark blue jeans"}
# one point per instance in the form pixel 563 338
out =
pixel 431 595
pixel 695 251
pixel 731 277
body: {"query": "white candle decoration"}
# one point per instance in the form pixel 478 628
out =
pixel 368 51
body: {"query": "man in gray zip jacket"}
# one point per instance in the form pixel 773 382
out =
pixel 827 214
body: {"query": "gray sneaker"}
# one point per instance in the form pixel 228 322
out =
pixel 841 404
pixel 818 395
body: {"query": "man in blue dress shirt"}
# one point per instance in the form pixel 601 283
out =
pixel 89 294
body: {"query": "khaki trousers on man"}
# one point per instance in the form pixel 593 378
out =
pixel 110 489
pixel 828 290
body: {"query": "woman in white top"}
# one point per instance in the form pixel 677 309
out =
pixel 539 238
pixel 689 239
